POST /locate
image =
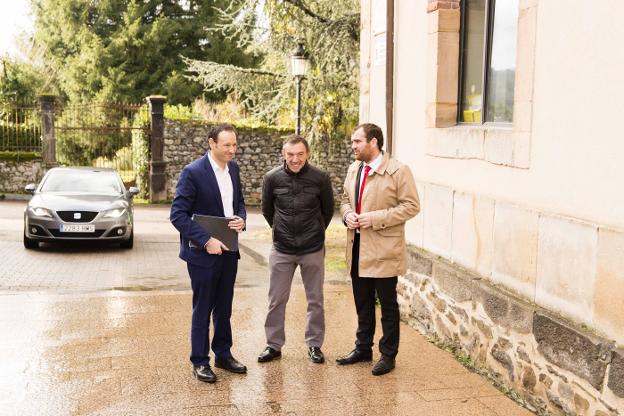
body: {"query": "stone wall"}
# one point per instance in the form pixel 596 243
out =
pixel 557 366
pixel 258 152
pixel 535 296
pixel 14 175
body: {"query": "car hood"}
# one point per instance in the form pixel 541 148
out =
pixel 77 202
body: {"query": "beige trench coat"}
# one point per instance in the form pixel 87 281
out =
pixel 391 195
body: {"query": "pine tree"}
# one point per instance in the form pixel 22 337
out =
pixel 329 30
pixel 126 50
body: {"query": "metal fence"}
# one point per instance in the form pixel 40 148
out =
pixel 20 128
pixel 99 135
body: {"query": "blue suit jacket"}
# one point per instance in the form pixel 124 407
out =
pixel 197 192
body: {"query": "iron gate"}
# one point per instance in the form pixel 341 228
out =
pixel 101 135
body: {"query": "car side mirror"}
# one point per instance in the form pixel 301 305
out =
pixel 133 191
pixel 30 188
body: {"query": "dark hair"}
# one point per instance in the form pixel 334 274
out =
pixel 371 130
pixel 294 139
pixel 216 130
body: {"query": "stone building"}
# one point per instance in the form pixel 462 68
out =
pixel 505 111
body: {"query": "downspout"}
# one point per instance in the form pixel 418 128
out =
pixel 389 75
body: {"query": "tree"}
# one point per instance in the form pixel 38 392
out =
pixel 126 50
pixel 20 82
pixel 330 31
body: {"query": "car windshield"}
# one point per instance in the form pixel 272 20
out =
pixel 87 181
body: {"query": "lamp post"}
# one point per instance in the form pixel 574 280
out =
pixel 298 67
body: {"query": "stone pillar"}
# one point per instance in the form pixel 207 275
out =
pixel 157 178
pixel 46 105
pixel 443 61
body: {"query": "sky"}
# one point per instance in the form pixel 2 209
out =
pixel 14 19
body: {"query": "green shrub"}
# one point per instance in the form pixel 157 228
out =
pixel 17 156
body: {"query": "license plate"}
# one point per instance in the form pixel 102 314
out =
pixel 77 228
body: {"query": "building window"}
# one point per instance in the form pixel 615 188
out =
pixel 488 60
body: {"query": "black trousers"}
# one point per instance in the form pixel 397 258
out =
pixel 364 290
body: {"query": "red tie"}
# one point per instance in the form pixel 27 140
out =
pixel 367 169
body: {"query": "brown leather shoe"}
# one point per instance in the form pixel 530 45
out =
pixel 355 356
pixel 204 373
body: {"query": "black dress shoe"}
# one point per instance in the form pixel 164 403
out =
pixel 316 355
pixel 204 373
pixel 269 354
pixel 230 364
pixel 355 356
pixel 383 366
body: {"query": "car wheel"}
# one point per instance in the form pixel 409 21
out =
pixel 129 242
pixel 29 243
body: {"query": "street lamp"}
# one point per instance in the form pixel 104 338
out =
pixel 298 67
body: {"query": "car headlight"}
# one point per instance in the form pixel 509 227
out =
pixel 114 213
pixel 41 212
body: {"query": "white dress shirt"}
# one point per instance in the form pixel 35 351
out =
pixel 224 180
pixel 374 166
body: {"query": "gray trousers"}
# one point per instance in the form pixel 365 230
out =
pixel 313 275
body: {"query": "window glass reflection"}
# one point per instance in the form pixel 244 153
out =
pixel 472 65
pixel 502 67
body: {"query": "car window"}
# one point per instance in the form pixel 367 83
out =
pixel 82 181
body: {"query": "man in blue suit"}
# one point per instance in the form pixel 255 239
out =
pixel 211 186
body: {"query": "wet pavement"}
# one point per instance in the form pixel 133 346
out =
pixel 72 344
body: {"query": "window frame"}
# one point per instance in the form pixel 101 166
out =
pixel 490 7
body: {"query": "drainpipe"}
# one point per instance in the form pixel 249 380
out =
pixel 389 75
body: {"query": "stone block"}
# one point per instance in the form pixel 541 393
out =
pixel 515 248
pixel 503 309
pixel 616 374
pixel 529 381
pixel 566 270
pixel 443 20
pixel 455 142
pixel 609 289
pixel 525 4
pixel 453 282
pixel 571 350
pixel 522 116
pixel 419 263
pixel 503 359
pixel 447 67
pixel 434 5
pixel 525 55
pixel 473 224
pixel 498 146
pixel 438 219
pixel 441 114
pixel 522 150
pixel 414 228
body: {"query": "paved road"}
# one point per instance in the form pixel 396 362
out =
pixel 104 331
pixel 151 264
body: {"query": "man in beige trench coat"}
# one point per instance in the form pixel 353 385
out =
pixel 379 197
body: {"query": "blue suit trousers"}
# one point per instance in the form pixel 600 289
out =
pixel 213 291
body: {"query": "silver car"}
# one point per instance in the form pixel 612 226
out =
pixel 79 204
